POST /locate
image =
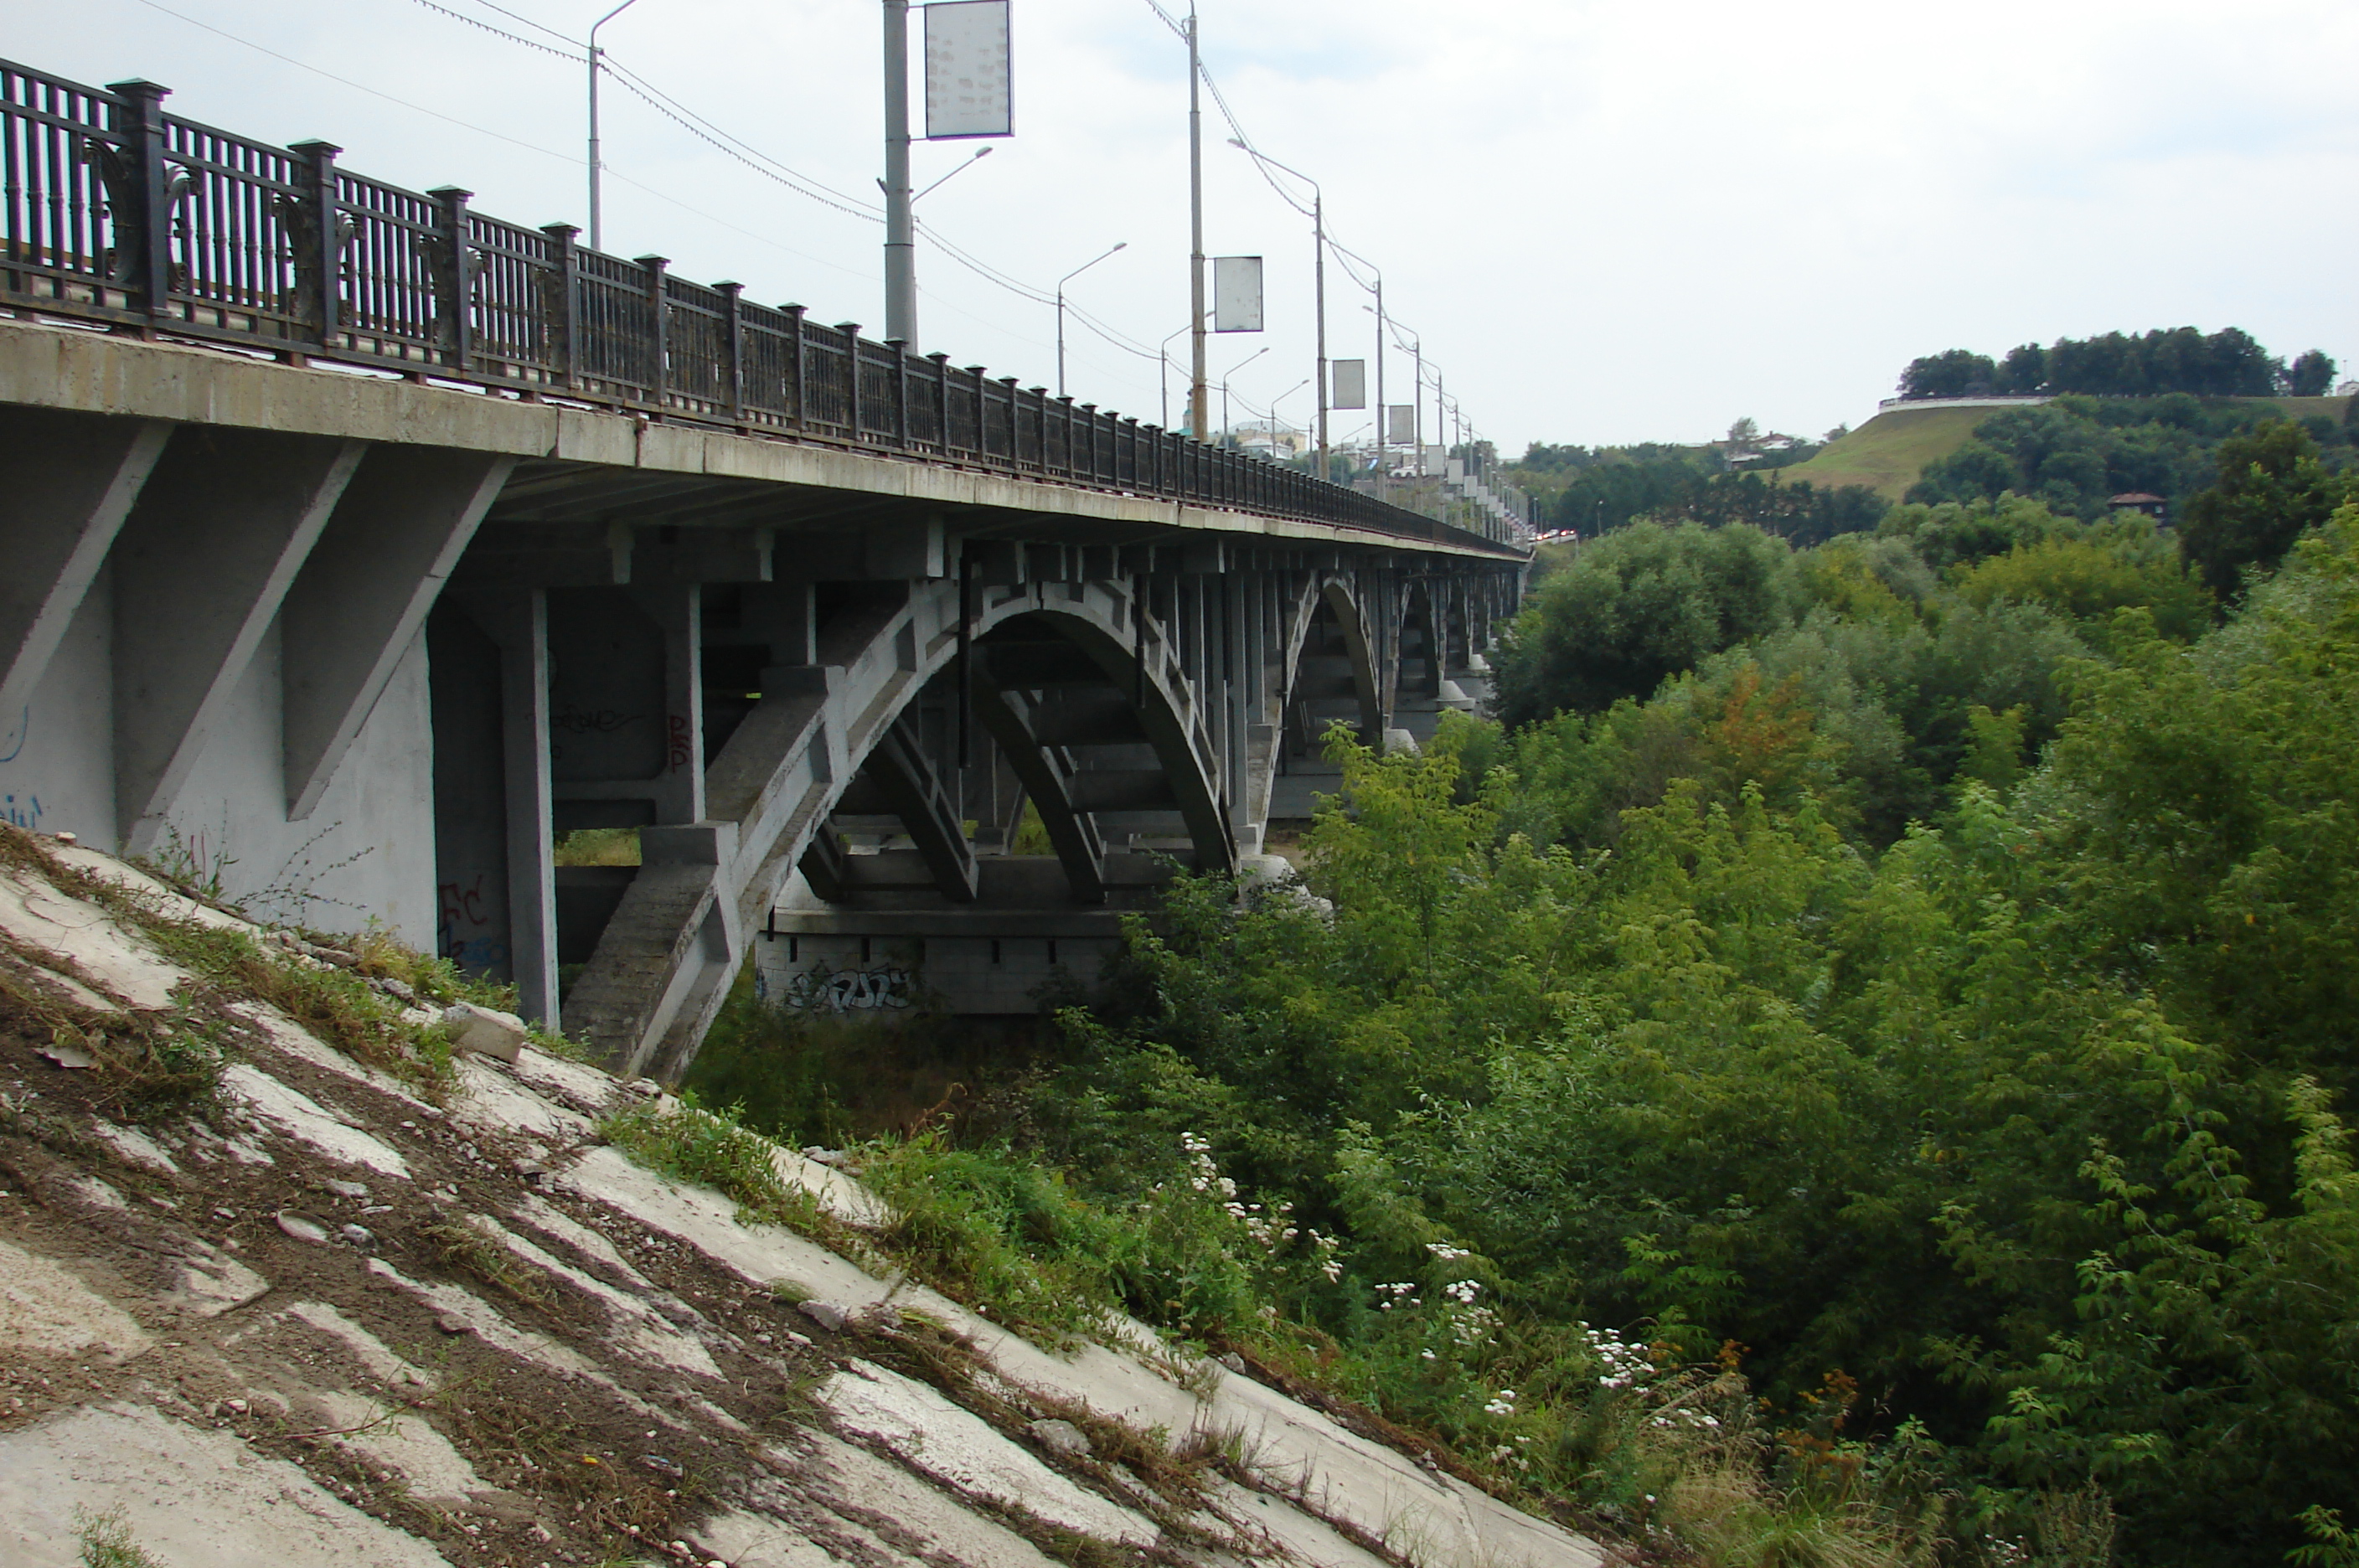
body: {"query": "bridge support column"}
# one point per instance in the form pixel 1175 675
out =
pixel 677 607
pixel 202 567
pixel 519 623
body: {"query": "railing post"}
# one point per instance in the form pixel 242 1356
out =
pixel 1090 420
pixel 659 325
pixel 1015 439
pixel 319 251
pixel 900 392
pixel 795 372
pixel 561 316
pixel 454 286
pixel 942 399
pixel 851 331
pixel 148 269
pixel 733 345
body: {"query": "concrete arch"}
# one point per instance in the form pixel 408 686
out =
pixel 1330 658
pixel 1421 615
pixel 664 962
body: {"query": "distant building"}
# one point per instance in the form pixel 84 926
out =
pixel 2139 501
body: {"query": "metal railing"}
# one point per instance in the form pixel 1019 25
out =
pixel 115 211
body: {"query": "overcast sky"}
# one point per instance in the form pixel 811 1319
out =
pixel 1608 222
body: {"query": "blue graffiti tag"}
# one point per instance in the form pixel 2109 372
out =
pixel 25 816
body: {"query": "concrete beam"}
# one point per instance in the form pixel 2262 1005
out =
pixel 363 595
pixel 202 567
pixel 67 483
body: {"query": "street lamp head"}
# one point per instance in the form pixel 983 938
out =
pixel 1239 144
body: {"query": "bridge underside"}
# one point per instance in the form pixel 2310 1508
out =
pixel 889 729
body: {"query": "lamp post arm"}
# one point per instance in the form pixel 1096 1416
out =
pixel 596 232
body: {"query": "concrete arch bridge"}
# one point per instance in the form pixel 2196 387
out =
pixel 359 595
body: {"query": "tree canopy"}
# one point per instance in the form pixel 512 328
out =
pixel 2225 364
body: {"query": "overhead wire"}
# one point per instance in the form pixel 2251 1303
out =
pixel 359 86
pixel 499 32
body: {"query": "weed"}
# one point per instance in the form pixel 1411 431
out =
pixel 466 1250
pixel 106 1541
pixel 683 1140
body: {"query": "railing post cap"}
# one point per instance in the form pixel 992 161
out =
pixel 792 309
pixel 896 344
pixel 140 87
pixel 652 261
pixel 940 356
pixel 561 231
pixel 731 288
pixel 849 328
pixel 315 149
pixel 450 194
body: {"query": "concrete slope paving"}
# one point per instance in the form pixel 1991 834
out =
pixel 347 1313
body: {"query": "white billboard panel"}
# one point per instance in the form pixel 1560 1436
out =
pixel 1351 384
pixel 1400 424
pixel 1236 293
pixel 967 74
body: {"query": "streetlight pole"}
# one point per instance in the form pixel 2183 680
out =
pixel 1319 280
pixel 596 233
pixel 1060 310
pixel 1198 393
pixel 900 225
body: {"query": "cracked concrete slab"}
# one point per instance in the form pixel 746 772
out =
pixel 195 1500
pixel 961 1450
pixel 46 1308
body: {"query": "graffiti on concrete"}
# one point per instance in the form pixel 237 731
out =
pixel 21 813
pixel 682 753
pixel 12 743
pixel 464 931
pixel 849 990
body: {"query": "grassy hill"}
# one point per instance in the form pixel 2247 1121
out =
pixel 1888 452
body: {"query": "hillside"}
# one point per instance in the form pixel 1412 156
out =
pixel 339 1290
pixel 1887 453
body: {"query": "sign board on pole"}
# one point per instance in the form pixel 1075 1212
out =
pixel 1400 424
pixel 1236 293
pixel 967 90
pixel 1351 384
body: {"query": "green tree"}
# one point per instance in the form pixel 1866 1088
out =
pixel 1634 606
pixel 1959 373
pixel 2271 489
pixel 2310 375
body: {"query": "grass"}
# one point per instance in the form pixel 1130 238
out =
pixel 106 1541
pixel 466 1250
pixel 690 1143
pixel 1889 452
pixel 598 846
